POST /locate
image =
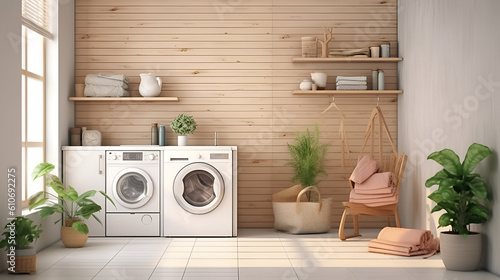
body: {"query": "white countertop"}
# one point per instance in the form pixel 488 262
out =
pixel 147 148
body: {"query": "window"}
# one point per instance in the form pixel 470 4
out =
pixel 33 109
pixel 34 33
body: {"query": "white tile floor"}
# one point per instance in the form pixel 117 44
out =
pixel 259 254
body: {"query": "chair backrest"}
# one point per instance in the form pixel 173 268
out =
pixel 395 164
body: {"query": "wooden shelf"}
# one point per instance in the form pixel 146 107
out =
pixel 346 59
pixel 347 92
pixel 125 99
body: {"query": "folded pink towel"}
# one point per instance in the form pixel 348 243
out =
pixel 358 196
pixel 376 201
pixel 376 181
pixel 404 242
pixel 364 169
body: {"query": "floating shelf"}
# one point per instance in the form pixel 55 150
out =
pixel 125 99
pixel 346 59
pixel 347 92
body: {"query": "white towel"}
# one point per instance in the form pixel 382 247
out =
pixel 351 78
pixel 343 83
pixel 352 87
pixel 107 79
pixel 104 91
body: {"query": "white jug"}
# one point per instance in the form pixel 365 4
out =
pixel 150 85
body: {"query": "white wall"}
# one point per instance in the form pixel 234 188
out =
pixel 60 62
pixel 10 107
pixel 451 81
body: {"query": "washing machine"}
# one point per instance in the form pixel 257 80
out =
pixel 200 191
pixel 133 180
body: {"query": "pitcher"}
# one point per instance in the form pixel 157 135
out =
pixel 150 85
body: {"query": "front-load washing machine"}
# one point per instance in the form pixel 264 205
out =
pixel 200 197
pixel 133 183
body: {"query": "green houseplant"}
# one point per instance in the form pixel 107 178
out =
pixel 73 206
pixel 291 212
pixel 308 155
pixel 459 195
pixel 19 234
pixel 183 125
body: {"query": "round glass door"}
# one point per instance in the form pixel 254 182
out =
pixel 198 188
pixel 132 188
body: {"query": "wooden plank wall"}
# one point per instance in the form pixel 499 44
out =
pixel 229 62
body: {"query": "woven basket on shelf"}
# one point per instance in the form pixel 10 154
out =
pixel 26 264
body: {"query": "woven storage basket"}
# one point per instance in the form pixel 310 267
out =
pixel 26 264
pixel 300 216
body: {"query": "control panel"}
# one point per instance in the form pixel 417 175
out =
pixel 132 156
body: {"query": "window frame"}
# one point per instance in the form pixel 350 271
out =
pixel 25 144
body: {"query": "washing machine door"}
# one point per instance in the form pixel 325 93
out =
pixel 132 188
pixel 198 188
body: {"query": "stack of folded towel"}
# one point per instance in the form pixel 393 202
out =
pixel 106 85
pixel 404 242
pixel 371 188
pixel 351 83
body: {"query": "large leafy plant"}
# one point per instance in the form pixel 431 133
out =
pixel 25 233
pixel 460 191
pixel 68 202
pixel 183 124
pixel 308 155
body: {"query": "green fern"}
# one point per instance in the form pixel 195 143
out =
pixel 308 155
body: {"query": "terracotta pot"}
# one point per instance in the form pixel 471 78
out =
pixel 70 237
pixel 459 253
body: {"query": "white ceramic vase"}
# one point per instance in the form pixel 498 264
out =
pixel 150 85
pixel 319 79
pixel 182 140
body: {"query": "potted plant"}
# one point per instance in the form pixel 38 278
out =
pixel 291 212
pixel 19 234
pixel 308 155
pixel 459 195
pixel 74 207
pixel 183 125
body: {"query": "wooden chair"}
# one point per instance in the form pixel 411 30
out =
pixel 394 164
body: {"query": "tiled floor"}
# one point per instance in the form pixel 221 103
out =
pixel 259 254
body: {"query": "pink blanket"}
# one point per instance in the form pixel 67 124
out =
pixel 404 242
pixel 378 190
pixel 364 169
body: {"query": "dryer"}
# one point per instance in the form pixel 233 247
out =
pixel 133 181
pixel 200 196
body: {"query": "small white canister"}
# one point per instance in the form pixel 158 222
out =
pixel 306 85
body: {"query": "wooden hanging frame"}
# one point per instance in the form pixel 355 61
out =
pixel 394 163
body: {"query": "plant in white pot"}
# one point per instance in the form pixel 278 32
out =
pixel 460 194
pixel 19 234
pixel 183 125
pixel 74 207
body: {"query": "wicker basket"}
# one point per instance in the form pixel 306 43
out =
pixel 25 264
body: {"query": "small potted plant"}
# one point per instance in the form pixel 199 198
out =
pixel 307 157
pixel 183 125
pixel 460 195
pixel 19 234
pixel 74 207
